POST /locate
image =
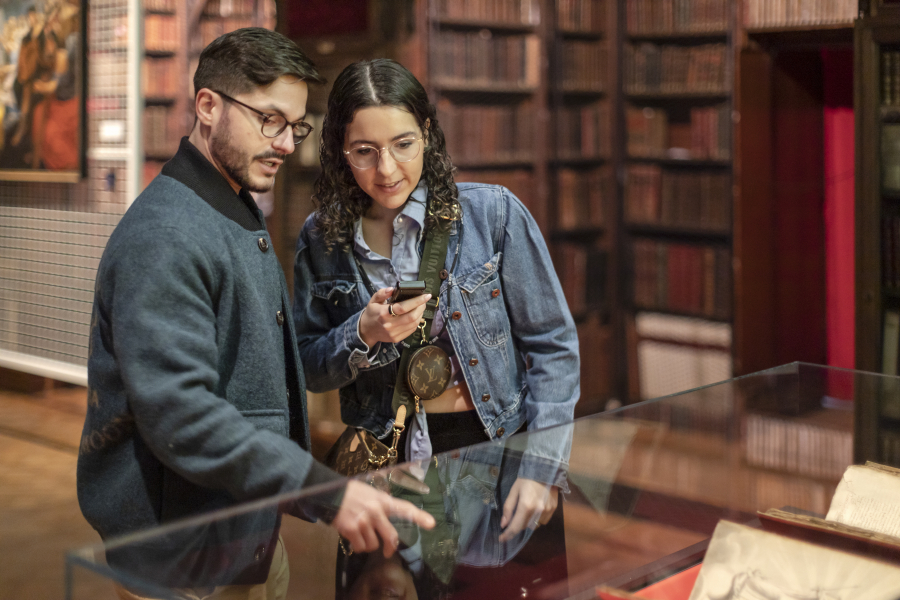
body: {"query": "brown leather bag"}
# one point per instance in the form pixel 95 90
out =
pixel 358 451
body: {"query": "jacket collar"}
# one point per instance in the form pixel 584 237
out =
pixel 194 170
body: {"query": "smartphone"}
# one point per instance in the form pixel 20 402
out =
pixel 404 290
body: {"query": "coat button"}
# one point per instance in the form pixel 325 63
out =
pixel 485 397
pixel 444 274
pixel 500 432
pixel 489 266
pixel 279 318
pixel 495 293
pixel 260 553
pixel 473 362
pixel 263 244
pixel 456 315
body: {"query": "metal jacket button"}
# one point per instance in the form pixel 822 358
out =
pixel 444 274
pixel 485 397
pixel 495 293
pixel 500 432
pixel 279 318
pixel 473 362
pixel 263 244
pixel 456 315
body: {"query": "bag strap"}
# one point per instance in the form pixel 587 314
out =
pixel 437 239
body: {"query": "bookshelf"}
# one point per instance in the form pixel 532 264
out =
pixel 486 75
pixel 174 35
pixel 877 85
pixel 677 66
pixel 581 97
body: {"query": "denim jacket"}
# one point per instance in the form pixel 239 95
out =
pixel 505 311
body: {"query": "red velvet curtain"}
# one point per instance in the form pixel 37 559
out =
pixel 839 206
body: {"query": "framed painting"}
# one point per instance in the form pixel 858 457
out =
pixel 42 83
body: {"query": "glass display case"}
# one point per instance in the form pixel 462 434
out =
pixel 646 486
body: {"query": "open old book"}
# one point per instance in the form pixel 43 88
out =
pixel 864 516
pixel 854 552
pixel 745 563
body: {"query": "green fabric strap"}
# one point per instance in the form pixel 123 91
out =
pixel 434 255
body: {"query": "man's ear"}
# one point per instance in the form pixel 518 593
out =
pixel 206 106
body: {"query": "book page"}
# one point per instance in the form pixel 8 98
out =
pixel 869 498
pixel 817 523
pixel 743 563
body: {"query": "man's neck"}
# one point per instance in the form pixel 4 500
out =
pixel 201 143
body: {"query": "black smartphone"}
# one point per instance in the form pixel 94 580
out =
pixel 404 290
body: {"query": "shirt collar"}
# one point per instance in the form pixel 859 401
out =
pixel 190 167
pixel 413 210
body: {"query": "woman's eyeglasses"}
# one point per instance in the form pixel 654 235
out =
pixel 366 157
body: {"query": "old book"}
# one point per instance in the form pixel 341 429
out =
pixel 832 534
pixel 743 562
pixel 867 497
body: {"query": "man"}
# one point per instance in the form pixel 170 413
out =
pixel 196 395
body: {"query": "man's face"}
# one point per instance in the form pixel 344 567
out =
pixel 240 151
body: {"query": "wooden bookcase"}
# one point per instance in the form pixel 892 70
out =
pixel 877 50
pixel 676 63
pixel 524 90
pixel 582 96
pixel 487 77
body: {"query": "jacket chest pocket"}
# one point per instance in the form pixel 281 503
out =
pixel 483 297
pixel 340 298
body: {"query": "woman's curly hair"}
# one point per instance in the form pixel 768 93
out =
pixel 339 200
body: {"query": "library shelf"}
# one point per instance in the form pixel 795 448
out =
pixel 678 36
pixel 680 231
pixel 666 161
pixel 498 26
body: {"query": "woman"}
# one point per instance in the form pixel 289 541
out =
pixel 386 180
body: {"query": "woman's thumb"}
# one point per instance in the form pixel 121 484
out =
pixel 381 295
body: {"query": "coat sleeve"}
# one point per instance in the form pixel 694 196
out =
pixel 332 353
pixel 545 335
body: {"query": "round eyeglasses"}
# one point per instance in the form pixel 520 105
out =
pixel 274 125
pixel 366 157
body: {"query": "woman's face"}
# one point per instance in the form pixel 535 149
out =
pixel 389 183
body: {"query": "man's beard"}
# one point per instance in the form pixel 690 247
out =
pixel 236 163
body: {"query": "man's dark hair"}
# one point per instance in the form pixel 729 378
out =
pixel 249 58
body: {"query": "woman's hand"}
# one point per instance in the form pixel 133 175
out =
pixel 530 503
pixel 363 518
pixel 377 324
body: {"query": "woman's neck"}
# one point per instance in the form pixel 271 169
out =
pixel 378 228
pixel 380 214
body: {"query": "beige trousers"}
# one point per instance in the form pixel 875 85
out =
pixel 275 587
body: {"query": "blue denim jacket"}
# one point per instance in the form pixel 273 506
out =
pixel 505 311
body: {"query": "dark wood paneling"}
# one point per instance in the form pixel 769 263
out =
pixel 754 244
pixel 798 127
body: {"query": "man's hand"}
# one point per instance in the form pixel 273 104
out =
pixel 377 324
pixel 530 503
pixel 363 518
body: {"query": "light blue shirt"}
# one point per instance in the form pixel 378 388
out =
pixel 403 265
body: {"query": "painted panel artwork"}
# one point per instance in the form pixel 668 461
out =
pixel 41 87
